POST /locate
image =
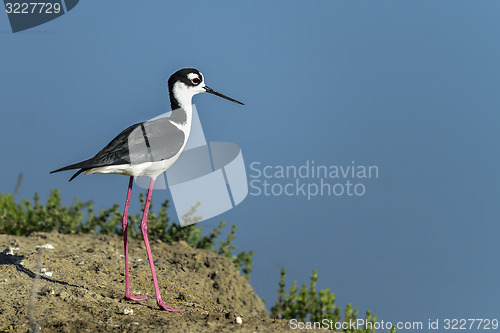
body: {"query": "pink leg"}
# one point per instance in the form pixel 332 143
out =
pixel 144 229
pixel 125 243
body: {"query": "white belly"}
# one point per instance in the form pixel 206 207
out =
pixel 148 169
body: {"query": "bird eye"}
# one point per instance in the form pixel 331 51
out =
pixel 196 80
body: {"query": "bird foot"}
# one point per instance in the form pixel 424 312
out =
pixel 136 298
pixel 168 308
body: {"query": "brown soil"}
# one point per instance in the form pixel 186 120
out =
pixel 85 292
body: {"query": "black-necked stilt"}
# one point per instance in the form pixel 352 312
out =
pixel 132 154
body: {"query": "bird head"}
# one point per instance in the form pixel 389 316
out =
pixel 187 82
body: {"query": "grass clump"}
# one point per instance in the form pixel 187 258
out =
pixel 310 305
pixel 26 217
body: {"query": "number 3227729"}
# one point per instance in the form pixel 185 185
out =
pixel 463 324
pixel 32 8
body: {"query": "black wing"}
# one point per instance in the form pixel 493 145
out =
pixel 149 141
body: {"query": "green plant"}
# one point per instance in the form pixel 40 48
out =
pixel 26 217
pixel 309 305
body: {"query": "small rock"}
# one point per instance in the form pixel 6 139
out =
pixel 80 263
pixel 44 272
pixel 128 311
pixel 134 323
pixel 45 246
pixel 238 320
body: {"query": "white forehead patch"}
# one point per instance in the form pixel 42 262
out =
pixel 193 75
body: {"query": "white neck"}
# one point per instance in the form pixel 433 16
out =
pixel 183 95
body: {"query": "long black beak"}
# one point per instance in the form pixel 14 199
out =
pixel 210 90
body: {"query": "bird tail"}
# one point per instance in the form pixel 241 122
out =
pixel 79 165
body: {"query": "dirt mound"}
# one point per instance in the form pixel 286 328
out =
pixel 78 285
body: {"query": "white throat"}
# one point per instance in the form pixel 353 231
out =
pixel 184 95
